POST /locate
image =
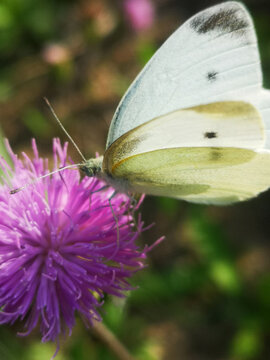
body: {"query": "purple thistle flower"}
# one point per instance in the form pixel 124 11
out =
pixel 140 13
pixel 59 252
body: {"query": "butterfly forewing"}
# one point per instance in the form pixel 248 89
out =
pixel 212 57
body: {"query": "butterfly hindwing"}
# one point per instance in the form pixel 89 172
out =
pixel 216 176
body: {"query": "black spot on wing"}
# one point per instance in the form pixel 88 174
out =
pixel 215 155
pixel 210 135
pixel 224 20
pixel 211 76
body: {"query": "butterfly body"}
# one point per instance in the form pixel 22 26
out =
pixel 195 123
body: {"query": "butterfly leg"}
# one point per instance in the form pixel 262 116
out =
pixel 117 224
pixel 100 189
pixel 96 191
pixel 132 209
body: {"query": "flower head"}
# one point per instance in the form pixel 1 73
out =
pixel 55 54
pixel 59 249
pixel 140 13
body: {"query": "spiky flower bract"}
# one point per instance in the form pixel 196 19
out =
pixel 59 249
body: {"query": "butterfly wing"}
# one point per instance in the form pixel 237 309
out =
pixel 199 154
pixel 212 57
pixel 216 176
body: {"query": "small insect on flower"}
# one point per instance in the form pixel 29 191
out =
pixel 59 252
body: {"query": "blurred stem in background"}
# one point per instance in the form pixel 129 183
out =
pixel 111 341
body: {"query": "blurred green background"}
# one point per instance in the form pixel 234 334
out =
pixel 206 292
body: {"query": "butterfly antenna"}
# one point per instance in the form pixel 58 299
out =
pixel 15 191
pixel 62 127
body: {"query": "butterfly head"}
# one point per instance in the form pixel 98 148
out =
pixel 92 167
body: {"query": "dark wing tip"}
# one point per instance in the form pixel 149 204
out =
pixel 228 17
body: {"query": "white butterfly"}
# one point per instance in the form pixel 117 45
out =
pixel 195 123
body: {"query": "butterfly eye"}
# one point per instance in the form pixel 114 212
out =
pixel 92 167
pixel 87 170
